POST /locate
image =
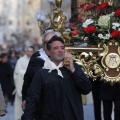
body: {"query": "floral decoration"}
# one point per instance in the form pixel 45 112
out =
pixel 101 24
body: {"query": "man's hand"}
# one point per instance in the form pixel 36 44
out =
pixel 71 65
pixel 23 104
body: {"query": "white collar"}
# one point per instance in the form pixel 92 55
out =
pixel 51 66
pixel 42 54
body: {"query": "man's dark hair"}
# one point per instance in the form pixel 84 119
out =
pixel 30 47
pixel 54 38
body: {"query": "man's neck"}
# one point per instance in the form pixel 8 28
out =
pixel 56 62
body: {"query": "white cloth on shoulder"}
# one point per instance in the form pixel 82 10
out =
pixel 42 54
pixel 51 66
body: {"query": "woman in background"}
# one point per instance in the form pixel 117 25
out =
pixel 5 76
pixel 12 60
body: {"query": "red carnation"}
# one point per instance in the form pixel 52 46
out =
pixel 115 33
pixel 103 5
pixel 90 29
pixel 82 5
pixel 90 7
pixel 117 12
pixel 74 32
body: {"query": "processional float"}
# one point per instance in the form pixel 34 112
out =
pixel 102 60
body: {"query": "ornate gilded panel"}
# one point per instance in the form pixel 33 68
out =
pixel 97 61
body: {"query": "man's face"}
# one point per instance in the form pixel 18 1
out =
pixel 57 52
pixel 4 59
pixel 47 38
pixel 29 52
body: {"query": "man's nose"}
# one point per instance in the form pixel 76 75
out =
pixel 60 49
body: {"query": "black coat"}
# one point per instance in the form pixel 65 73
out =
pixel 34 65
pixel 109 92
pixel 58 98
pixel 6 74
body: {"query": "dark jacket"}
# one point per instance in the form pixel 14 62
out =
pixel 57 98
pixel 6 77
pixel 34 65
pixel 109 92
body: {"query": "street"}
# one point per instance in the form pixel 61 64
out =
pixel 88 112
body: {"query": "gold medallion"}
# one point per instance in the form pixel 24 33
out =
pixel 112 60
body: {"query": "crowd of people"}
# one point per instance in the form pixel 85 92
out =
pixel 48 85
pixel 9 60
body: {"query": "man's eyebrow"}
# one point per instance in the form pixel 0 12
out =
pixel 59 46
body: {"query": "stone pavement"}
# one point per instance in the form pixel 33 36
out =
pixel 10 113
pixel 88 112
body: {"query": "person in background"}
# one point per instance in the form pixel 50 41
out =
pixel 97 103
pixel 2 103
pixel 36 62
pixel 110 96
pixel 5 76
pixel 56 88
pixel 12 59
pixel 36 45
pixel 19 72
pixel 21 53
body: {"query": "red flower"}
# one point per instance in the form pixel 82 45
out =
pixel 117 12
pixel 82 5
pixel 74 32
pixel 115 33
pixel 90 29
pixel 103 5
pixel 91 6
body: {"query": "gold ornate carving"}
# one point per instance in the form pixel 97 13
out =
pixel 102 61
pixel 112 60
pixel 58 17
pixel 86 58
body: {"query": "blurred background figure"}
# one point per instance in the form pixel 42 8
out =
pixel 12 59
pixel 97 103
pixel 2 103
pixel 19 72
pixel 5 76
pixel 21 53
pixel 36 45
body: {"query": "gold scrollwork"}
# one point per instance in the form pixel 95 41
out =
pixel 112 60
pixel 105 63
pixel 58 17
pixel 87 61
